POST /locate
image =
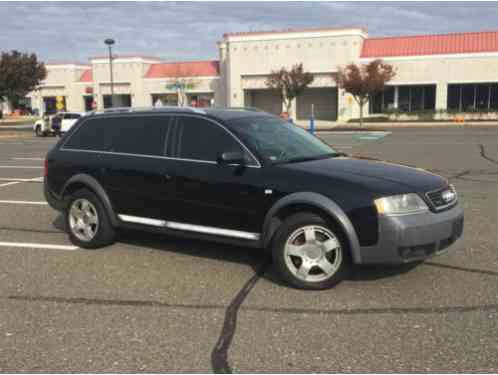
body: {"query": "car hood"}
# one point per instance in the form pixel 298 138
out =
pixel 407 178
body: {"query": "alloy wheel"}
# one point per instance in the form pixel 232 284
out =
pixel 313 253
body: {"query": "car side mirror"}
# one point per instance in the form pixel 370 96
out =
pixel 232 158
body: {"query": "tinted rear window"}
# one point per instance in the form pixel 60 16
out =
pixel 143 135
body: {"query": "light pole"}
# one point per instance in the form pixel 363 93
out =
pixel 109 43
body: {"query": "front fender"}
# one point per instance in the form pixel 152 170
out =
pixel 320 202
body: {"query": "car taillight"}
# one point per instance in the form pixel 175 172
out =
pixel 45 168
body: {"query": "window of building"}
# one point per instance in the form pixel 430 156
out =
pixel 202 140
pixel 410 99
pixel 493 97
pixel 382 101
pixel 470 97
pixel 119 100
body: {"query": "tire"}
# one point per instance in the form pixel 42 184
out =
pixel 39 132
pixel 303 239
pixel 84 210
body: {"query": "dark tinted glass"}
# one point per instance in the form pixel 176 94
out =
pixel 454 97
pixel 203 140
pixel 279 141
pixel 71 116
pixel 430 97
pixel 404 98
pixel 468 97
pixel 482 96
pixel 416 98
pixel 493 102
pixel 388 98
pixel 143 135
pixel 376 103
pixel 89 136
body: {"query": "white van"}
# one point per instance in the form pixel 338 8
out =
pixel 54 124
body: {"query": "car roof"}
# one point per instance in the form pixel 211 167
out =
pixel 220 113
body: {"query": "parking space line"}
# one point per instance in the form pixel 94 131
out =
pixel 27 158
pixel 38 246
pixel 21 166
pixel 10 183
pixel 39 203
pixel 14 179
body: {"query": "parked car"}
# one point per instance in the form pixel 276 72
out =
pixel 58 123
pixel 247 178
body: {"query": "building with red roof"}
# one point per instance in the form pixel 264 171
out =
pixel 435 74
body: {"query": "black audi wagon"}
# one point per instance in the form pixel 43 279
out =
pixel 248 178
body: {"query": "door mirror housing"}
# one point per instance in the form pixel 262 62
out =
pixel 227 158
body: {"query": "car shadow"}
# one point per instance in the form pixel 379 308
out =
pixel 252 257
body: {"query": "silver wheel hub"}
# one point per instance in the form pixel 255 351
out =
pixel 313 253
pixel 83 219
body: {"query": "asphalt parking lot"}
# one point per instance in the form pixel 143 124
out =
pixel 160 304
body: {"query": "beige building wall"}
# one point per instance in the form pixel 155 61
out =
pixel 246 60
pixel 442 70
pixel 128 78
pixel 61 80
pixel 202 85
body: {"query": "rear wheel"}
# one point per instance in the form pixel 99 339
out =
pixel 39 132
pixel 310 253
pixel 87 221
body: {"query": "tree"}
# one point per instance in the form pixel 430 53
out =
pixel 20 73
pixel 365 80
pixel 289 83
pixel 181 82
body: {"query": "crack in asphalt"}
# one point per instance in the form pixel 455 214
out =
pixel 219 355
pixel 277 310
pixel 483 155
pixel 460 175
pixel 464 269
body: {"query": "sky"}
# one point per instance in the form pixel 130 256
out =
pixel 179 31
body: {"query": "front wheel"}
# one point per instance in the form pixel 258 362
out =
pixel 87 221
pixel 310 253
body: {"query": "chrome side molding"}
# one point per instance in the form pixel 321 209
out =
pixel 190 227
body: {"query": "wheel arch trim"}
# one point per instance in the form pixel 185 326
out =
pixel 97 188
pixel 318 201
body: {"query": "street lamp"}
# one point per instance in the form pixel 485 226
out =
pixel 109 43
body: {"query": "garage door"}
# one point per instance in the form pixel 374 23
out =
pixel 324 100
pixel 266 100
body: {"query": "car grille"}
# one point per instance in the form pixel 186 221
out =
pixel 442 198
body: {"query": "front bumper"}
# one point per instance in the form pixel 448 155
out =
pixel 415 237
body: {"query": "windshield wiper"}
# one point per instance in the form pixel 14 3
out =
pixel 310 158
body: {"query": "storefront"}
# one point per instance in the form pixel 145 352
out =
pixel 438 74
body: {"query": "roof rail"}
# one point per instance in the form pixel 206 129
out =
pixel 142 109
pixel 253 109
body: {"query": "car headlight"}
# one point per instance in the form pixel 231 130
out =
pixel 403 204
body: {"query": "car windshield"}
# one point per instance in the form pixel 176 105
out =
pixel 279 141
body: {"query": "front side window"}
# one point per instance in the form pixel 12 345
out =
pixel 203 140
pixel 279 141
